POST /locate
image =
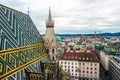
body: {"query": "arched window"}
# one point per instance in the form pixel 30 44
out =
pixel 53 51
pixel 53 58
pixel 47 50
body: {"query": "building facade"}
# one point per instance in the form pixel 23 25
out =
pixel 50 38
pixel 80 65
pixel 114 68
pixel 104 59
pixel 105 55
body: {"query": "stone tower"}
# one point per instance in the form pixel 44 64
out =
pixel 50 38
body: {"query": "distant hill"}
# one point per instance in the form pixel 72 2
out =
pixel 102 34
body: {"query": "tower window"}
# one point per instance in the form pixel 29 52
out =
pixel 53 51
pixel 53 58
pixel 47 50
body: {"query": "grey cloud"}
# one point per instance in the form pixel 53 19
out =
pixel 85 16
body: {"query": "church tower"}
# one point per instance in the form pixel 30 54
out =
pixel 50 38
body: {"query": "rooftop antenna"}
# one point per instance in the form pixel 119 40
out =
pixel 95 40
pixel 95 37
pixel 21 10
pixel 28 10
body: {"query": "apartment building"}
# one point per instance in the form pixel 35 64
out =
pixel 80 65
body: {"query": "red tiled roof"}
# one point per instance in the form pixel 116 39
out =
pixel 80 56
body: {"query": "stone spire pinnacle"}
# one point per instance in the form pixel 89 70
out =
pixel 49 22
pixel 49 17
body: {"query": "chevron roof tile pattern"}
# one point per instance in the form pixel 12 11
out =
pixel 17 30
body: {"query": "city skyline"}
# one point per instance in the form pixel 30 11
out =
pixel 73 16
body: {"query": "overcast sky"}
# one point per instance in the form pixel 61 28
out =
pixel 72 16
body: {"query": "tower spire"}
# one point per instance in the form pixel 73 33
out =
pixel 49 17
pixel 49 22
pixel 50 38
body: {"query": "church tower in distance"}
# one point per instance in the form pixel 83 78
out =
pixel 50 38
